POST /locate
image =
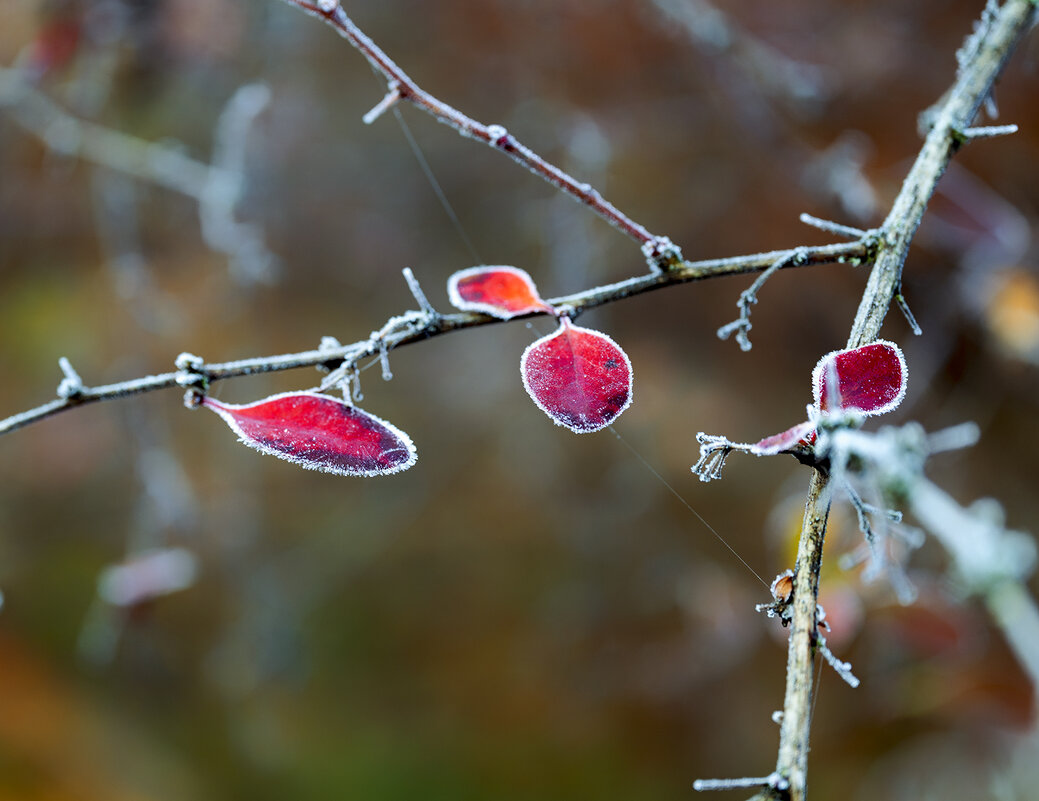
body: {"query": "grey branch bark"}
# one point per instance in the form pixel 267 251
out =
pixel 980 62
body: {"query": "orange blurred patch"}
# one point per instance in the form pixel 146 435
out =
pixel 1012 313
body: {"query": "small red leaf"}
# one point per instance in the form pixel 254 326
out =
pixel 784 441
pixel 870 379
pixel 504 292
pixel 578 377
pixel 319 432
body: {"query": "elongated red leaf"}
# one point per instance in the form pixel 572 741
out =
pixel 785 440
pixel 578 377
pixel 504 292
pixel 319 432
pixel 870 379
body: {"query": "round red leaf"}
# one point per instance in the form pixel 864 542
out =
pixel 870 379
pixel 578 377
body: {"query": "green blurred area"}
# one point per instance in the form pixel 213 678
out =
pixel 526 613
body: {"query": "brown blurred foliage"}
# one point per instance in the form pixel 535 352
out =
pixel 526 613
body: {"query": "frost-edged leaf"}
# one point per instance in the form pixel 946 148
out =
pixel 784 441
pixel 503 292
pixel 870 379
pixel 319 432
pixel 578 377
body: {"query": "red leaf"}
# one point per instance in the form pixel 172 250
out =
pixel 870 379
pixel 504 292
pixel 578 377
pixel 319 432
pixel 784 441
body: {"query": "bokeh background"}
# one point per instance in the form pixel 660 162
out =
pixel 527 613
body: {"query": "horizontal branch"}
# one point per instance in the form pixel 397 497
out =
pixel 424 325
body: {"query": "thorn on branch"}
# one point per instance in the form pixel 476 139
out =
pixel 420 297
pixel 391 99
pixel 773 781
pixel 846 231
pixel 903 307
pixel 987 132
pixel 71 386
pixel 842 669
pixel 378 339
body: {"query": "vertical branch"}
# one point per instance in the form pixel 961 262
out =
pixel 794 730
pixel 980 62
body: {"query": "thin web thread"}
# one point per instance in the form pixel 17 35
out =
pixel 687 505
pixel 435 184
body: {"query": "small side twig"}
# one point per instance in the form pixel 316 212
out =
pixel 841 668
pixel 988 131
pixel 773 781
pixel 420 297
pixel 834 228
pixel 903 306
pixel 71 385
pixel 748 297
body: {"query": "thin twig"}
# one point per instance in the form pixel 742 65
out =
pixel 832 227
pixel 659 250
pixel 773 780
pixel 424 326
pixel 748 297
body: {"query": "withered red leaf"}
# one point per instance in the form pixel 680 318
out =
pixel 870 379
pixel 785 440
pixel 578 377
pixel 502 291
pixel 319 432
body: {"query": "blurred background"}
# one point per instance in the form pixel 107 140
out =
pixel 526 613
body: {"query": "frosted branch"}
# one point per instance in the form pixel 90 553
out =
pixel 662 254
pixel 418 326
